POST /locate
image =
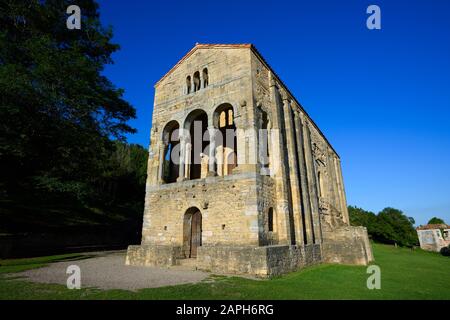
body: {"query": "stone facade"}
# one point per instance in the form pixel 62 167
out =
pixel 434 237
pixel 239 176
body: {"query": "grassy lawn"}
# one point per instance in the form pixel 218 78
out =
pixel 405 274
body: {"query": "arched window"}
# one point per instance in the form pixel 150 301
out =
pixel 188 84
pixel 270 220
pixel 196 124
pixel 264 138
pixel 196 81
pixel 226 143
pixel 171 153
pixel 205 78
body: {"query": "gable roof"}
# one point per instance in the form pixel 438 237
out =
pixel 202 46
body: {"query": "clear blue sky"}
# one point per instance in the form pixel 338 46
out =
pixel 382 97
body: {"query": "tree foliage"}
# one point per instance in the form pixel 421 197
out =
pixel 445 251
pixel 436 220
pixel 124 174
pixel 59 113
pixel 388 226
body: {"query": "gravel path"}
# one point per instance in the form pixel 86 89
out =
pixel 107 270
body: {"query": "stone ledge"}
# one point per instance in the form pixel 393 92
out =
pixel 262 262
pixel 266 261
pixel 152 255
pixel 347 245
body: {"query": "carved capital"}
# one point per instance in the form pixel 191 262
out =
pixel 284 96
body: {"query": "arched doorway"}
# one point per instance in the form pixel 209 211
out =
pixel 192 232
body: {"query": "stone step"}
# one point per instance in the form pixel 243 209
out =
pixel 188 263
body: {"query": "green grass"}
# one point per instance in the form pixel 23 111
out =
pixel 405 274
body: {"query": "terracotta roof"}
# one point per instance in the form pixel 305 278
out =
pixel 433 226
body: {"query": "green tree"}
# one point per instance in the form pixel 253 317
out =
pixel 361 217
pixel 58 111
pixel 388 226
pixel 396 227
pixel 124 174
pixel 436 220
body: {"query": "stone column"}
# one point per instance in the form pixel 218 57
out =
pixel 212 151
pixel 331 195
pixel 201 79
pixel 293 170
pixel 304 190
pixel 312 182
pixel 182 158
pixel 187 160
pixel 342 191
pixel 279 164
pixel 161 150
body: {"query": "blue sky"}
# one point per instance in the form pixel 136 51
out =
pixel 382 97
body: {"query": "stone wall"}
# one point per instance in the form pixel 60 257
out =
pixel 228 206
pixel 347 245
pixel 432 240
pixel 264 261
pixel 152 255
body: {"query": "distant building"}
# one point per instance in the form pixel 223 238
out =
pixel 433 237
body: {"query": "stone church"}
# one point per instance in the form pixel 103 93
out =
pixel 240 178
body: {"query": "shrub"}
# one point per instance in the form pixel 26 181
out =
pixel 445 251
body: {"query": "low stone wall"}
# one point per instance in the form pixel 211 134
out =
pixel 264 261
pixel 347 245
pixel 151 255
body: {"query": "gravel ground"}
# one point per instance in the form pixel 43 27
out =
pixel 107 270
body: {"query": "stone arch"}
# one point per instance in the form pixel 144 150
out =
pixel 196 79
pixel 171 156
pixel 205 77
pixel 264 140
pixel 188 85
pixel 219 107
pixel 197 142
pixel 226 138
pixel 192 232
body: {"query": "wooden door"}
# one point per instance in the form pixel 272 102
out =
pixel 196 233
pixel 187 230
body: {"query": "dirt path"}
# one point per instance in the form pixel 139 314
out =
pixel 107 270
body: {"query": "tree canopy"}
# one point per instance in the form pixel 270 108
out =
pixel 59 112
pixel 436 220
pixel 388 226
